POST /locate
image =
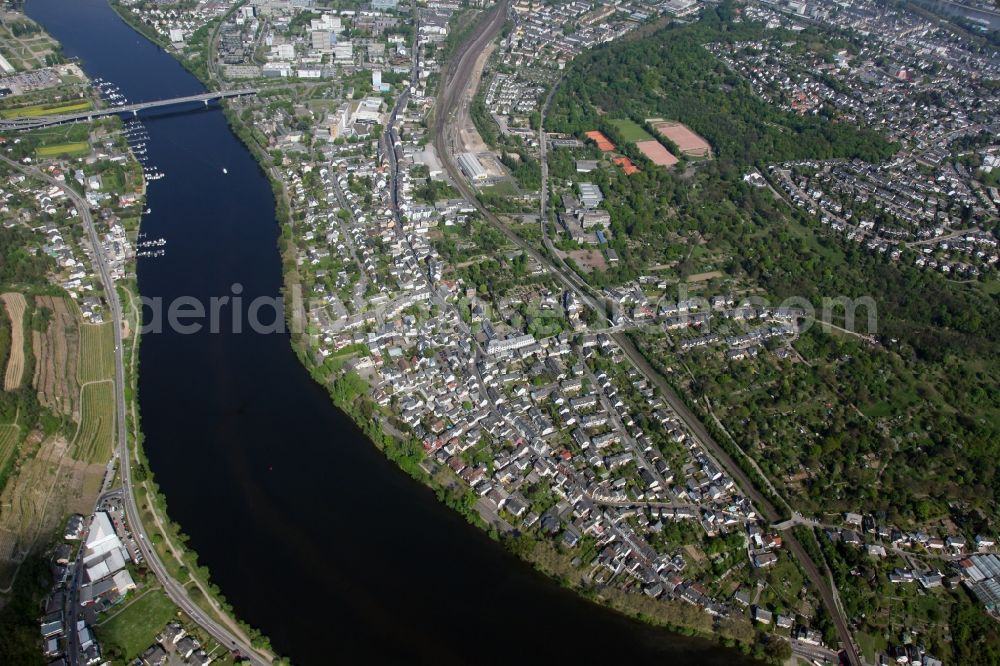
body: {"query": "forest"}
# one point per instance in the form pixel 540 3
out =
pixel 18 264
pixel 671 75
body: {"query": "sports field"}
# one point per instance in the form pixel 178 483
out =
pixel 630 131
pixel 687 141
pixel 656 153
pixel 603 143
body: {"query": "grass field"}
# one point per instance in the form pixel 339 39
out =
pixel 504 188
pixel 97 349
pixel 871 645
pixel 15 305
pixel 50 136
pixel 630 131
pixel 80 148
pixel 95 438
pixel 44 110
pixel 135 627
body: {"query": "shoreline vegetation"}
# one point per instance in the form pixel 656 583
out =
pixel 349 393
pixel 168 537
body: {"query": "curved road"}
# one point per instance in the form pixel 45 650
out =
pixel 176 591
pixel 454 82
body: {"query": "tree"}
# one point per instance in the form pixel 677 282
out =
pixel 777 649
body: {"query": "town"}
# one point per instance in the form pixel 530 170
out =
pixel 514 386
pixel 630 413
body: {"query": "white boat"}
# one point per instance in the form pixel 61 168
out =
pixel 224 170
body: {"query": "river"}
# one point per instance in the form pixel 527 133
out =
pixel 311 534
pixel 988 19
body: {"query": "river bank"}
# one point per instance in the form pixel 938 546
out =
pixel 276 491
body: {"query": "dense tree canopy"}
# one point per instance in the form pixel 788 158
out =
pixel 671 75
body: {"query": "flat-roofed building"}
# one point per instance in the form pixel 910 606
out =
pixel 496 346
pixel 590 195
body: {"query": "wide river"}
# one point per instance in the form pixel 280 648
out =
pixel 311 534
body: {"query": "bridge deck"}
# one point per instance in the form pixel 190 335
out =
pixel 38 122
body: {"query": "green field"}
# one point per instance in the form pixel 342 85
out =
pixel 74 133
pixel 95 439
pixel 44 110
pixel 135 627
pixel 97 349
pixel 631 131
pixel 871 645
pixel 80 148
pixel 504 188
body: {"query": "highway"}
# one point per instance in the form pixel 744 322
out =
pixel 454 81
pixel 177 593
pixel 37 122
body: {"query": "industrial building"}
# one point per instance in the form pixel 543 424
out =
pixel 590 195
pixel 472 167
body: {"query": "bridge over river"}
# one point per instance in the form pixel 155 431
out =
pixel 36 122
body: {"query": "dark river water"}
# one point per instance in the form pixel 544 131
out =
pixel 310 533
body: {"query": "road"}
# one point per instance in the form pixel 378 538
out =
pixel 37 122
pixel 454 83
pixel 814 652
pixel 177 593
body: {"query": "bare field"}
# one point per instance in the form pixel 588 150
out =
pixel 15 305
pixel 588 260
pixel 56 353
pixel 703 277
pixel 468 136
